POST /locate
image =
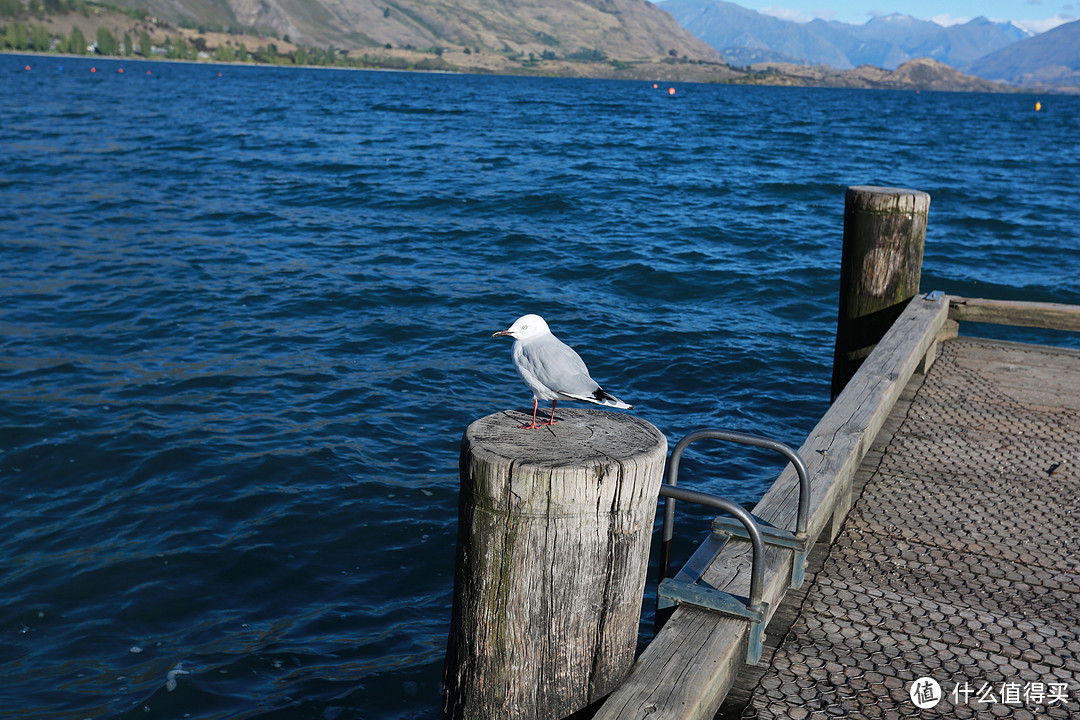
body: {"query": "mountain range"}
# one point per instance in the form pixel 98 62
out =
pixel 702 40
pixel 1052 58
pixel 992 50
pixel 577 29
pixel 886 41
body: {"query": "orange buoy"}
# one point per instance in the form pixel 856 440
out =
pixel 147 72
pixel 27 67
pixel 93 69
pixel 120 70
pixel 671 91
pixel 1038 105
pixel 655 85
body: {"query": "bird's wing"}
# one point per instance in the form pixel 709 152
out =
pixel 556 366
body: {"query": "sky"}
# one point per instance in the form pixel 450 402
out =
pixel 1035 15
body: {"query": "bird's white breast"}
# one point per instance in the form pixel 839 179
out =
pixel 530 371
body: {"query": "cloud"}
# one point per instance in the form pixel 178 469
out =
pixel 1041 26
pixel 785 14
pixel 945 20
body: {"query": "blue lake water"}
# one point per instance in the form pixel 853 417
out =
pixel 245 317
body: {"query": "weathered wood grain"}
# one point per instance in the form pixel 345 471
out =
pixel 1051 316
pixel 686 671
pixel 880 268
pixel 553 546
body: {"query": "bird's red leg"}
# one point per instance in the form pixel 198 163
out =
pixel 536 402
pixel 552 421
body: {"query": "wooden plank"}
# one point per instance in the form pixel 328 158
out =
pixel 837 445
pixel 687 669
pixel 1052 357
pixel 1051 316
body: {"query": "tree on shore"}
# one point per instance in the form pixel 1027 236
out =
pixel 76 44
pixel 11 8
pixel 15 37
pixel 180 49
pixel 225 53
pixel 106 42
pixel 39 38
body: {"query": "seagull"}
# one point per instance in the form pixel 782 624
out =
pixel 551 368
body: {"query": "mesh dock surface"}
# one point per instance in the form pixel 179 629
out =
pixel 960 560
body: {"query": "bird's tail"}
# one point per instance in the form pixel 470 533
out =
pixel 600 397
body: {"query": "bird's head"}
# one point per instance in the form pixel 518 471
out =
pixel 525 327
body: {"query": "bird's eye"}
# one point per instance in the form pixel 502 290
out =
pixel 524 327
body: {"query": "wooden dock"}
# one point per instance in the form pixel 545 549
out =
pixel 960 560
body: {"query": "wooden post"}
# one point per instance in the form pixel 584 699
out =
pixel 884 235
pixel 553 544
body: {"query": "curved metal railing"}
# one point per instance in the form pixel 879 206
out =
pixel 684 588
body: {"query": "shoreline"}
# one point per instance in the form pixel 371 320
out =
pixel 764 75
pixel 110 32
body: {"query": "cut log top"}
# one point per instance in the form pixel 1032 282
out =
pixel 578 436
pixel 886 200
pixel 588 461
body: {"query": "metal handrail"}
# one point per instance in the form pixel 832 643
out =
pixel 668 531
pixel 757 569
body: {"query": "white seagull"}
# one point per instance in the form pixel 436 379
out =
pixel 551 368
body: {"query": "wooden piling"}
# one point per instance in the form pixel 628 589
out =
pixel 880 268
pixel 553 545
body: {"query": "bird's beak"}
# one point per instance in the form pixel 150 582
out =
pixel 501 333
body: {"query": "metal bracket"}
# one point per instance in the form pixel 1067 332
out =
pixel 673 592
pixel 742 525
pixel 934 295
pixel 754 609
pixel 772 535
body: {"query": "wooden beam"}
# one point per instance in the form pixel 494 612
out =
pixel 1050 316
pixel 687 669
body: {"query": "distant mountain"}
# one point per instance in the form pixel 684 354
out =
pixel 960 45
pixel 1052 58
pixel 889 40
pixel 740 33
pixel 885 41
pixel 585 29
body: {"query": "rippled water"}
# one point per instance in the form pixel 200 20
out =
pixel 244 320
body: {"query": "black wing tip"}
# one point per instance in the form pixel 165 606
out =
pixel 601 395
